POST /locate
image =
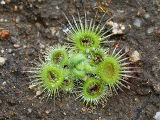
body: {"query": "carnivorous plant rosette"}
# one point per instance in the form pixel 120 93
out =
pixel 96 71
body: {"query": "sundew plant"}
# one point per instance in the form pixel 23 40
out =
pixel 83 66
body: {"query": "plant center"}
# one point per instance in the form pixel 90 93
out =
pixel 97 58
pixel 93 89
pixel 66 82
pixel 87 41
pixel 80 66
pixel 108 70
pixel 58 57
pixel 52 77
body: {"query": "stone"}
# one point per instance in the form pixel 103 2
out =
pixel 38 93
pixel 150 30
pixel 3 2
pixel 29 110
pixel 137 22
pixel 10 51
pixel 135 56
pixel 47 111
pixel 118 28
pixel 157 116
pixel 16 45
pixel 2 61
pixel 4 83
pixel 146 15
pixel 18 19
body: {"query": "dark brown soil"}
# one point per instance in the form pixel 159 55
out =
pixel 30 23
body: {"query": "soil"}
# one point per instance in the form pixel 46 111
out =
pixel 36 24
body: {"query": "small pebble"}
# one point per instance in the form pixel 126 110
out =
pixel 38 93
pixel 118 28
pixel 135 56
pixel 10 51
pixel 109 113
pixel 2 61
pixel 150 30
pixel 47 111
pixel 21 7
pixel 1 20
pixel 15 8
pixel 4 34
pixel 5 20
pixel 137 22
pixel 2 51
pixel 157 116
pixel 29 110
pixel 64 113
pixel 24 46
pixel 38 25
pixel 57 7
pixel 83 109
pixel 136 99
pixel 3 2
pixel 146 15
pixel 16 45
pixel 18 19
pixel 4 83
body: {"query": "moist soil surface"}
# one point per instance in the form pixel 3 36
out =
pixel 34 25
